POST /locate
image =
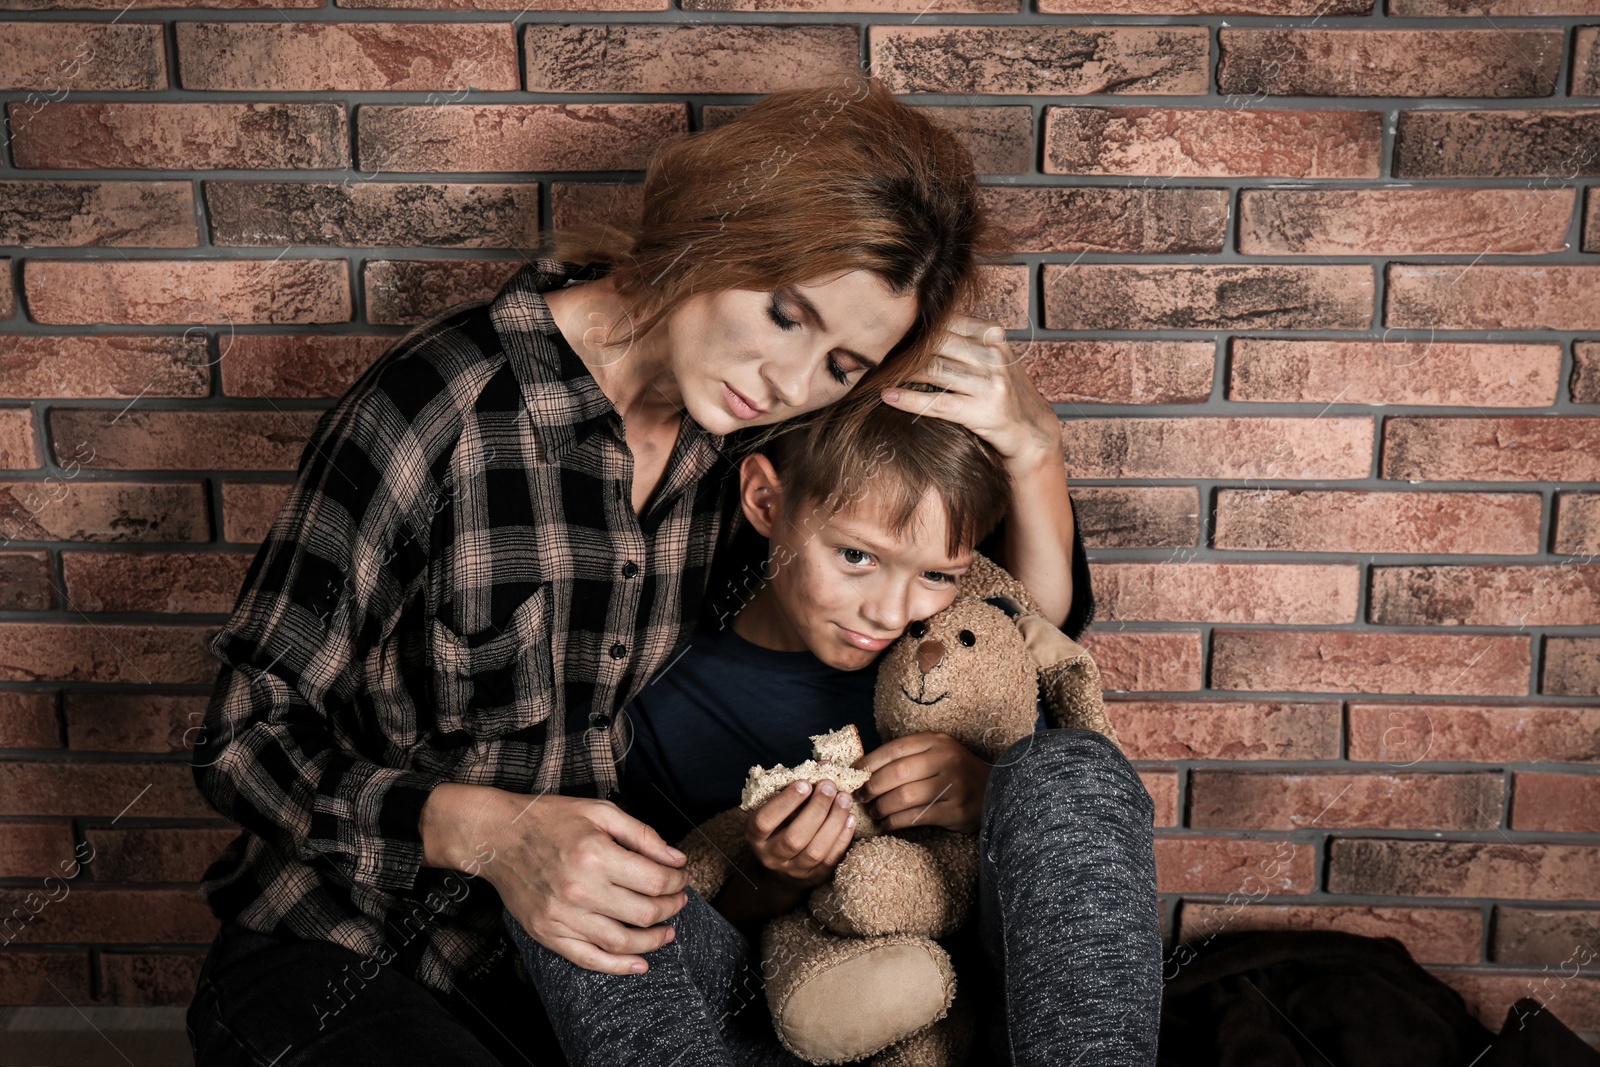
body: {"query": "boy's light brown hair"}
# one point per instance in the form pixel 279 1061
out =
pixel 898 458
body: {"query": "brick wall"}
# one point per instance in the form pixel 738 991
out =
pixel 1316 288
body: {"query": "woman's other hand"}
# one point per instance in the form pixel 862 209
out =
pixel 801 833
pixel 587 880
pixel 988 392
pixel 925 779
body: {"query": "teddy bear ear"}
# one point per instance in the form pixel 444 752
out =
pixel 1005 604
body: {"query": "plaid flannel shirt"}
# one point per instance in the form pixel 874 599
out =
pixel 457 588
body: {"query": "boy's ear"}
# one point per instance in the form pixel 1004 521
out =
pixel 760 493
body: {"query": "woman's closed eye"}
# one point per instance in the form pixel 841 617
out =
pixel 838 373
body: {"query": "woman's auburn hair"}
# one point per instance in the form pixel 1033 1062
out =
pixel 805 184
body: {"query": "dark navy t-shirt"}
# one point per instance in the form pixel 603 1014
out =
pixel 723 706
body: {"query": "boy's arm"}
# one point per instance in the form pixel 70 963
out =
pixel 750 897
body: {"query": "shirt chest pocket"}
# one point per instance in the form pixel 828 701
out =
pixel 498 681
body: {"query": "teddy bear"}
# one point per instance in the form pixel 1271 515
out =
pixel 854 973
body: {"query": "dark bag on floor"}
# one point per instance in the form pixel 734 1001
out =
pixel 1317 997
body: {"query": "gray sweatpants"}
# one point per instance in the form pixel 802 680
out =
pixel 1064 960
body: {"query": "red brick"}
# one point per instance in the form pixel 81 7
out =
pixel 1365 222
pixel 1512 8
pixel 104 365
pixel 105 652
pixel 154 581
pixel 373 214
pixel 43 978
pixel 106 214
pixel 1574 999
pixel 36 850
pixel 133 722
pixel 1146 662
pixel 1485 595
pixel 1159 516
pixel 1513 448
pixel 1003 296
pixel 1233 865
pixel 1309 520
pixel 1322 62
pixel 1431 935
pixel 1211 142
pixel 664 58
pixel 1586 61
pixel 248 509
pixel 189 440
pixel 1539 936
pixel 1560 803
pixel 232 292
pixel 1226 592
pixel 1586 354
pixel 1199 296
pixel 1163 789
pixel 877 7
pixel 1463 869
pixel 155 854
pixel 25 582
pixel 1489 297
pixel 8 305
pixel 514 137
pixel 141 790
pixel 1571 667
pixel 1578 525
pixel 18 450
pixel 1332 447
pixel 347 56
pixel 117 135
pixel 28 719
pixel 103 511
pixel 1110 219
pixel 91 914
pixel 75 57
pixel 1559 144
pixel 1319 8
pixel 1230 800
pixel 1403 734
pixel 1042 60
pixel 1394 372
pixel 299 365
pixel 1227 730
pixel 1000 138
pixel 1119 372
pixel 148 979
pixel 1335 661
pixel 408 291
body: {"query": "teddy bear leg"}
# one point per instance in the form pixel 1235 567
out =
pixel 839 999
pixel 946 1043
pixel 921 882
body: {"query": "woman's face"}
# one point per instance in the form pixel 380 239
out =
pixel 744 358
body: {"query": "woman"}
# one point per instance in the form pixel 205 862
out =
pixel 421 673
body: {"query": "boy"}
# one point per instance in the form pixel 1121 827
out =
pixel 848 543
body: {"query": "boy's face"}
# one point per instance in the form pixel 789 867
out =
pixel 844 586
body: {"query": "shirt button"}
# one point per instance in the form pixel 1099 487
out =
pixel 629 569
pixel 619 650
pixel 600 719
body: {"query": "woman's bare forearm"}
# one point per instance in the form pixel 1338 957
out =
pixel 1036 538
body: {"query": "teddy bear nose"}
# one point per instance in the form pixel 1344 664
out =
pixel 929 654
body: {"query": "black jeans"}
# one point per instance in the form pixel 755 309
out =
pixel 265 1001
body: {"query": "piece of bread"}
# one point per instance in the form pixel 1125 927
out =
pixel 834 752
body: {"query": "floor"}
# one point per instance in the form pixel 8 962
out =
pixel 93 1037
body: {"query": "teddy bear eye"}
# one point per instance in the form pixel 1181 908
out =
pixel 918 630
pixel 966 638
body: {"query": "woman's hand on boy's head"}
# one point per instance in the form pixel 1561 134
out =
pixel 925 779
pixel 986 390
